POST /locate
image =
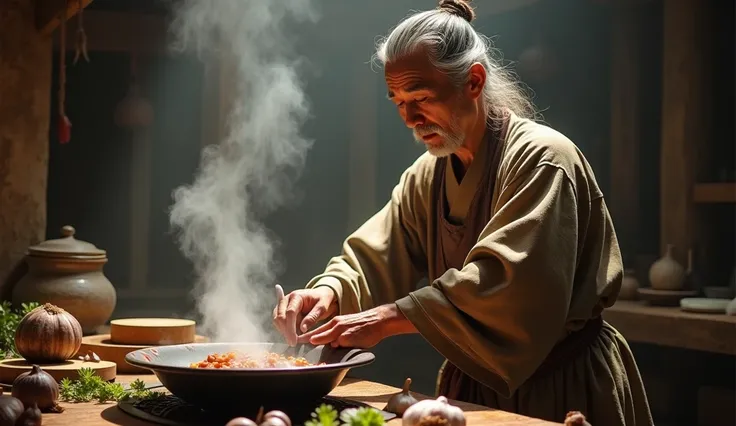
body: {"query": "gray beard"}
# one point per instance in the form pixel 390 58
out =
pixel 451 140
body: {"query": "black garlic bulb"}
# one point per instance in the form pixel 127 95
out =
pixel 399 402
pixel 37 387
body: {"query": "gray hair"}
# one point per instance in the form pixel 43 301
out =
pixel 454 46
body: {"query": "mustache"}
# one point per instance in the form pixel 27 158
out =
pixel 426 129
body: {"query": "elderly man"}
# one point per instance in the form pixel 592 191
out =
pixel 504 217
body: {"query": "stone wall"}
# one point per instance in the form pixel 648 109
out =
pixel 25 85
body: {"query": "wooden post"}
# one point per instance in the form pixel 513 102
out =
pixel 25 86
pixel 684 119
pixel 625 132
pixel 140 217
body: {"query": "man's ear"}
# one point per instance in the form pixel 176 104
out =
pixel 476 80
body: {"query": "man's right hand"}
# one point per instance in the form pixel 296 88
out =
pixel 304 307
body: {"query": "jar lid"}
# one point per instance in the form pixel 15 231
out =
pixel 67 246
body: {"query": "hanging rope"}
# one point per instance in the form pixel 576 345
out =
pixel 65 126
pixel 81 46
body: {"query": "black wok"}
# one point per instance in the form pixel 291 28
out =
pixel 225 389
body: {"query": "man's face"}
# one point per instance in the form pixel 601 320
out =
pixel 439 113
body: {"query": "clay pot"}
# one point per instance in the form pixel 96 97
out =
pixel 68 273
pixel 629 285
pixel 666 273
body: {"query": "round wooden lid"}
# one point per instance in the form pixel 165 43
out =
pixel 152 331
pixel 12 368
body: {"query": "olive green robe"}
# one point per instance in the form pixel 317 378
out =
pixel 545 263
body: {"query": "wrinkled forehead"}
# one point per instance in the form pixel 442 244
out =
pixel 412 73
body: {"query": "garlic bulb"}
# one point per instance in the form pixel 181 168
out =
pixel 433 411
pixel 10 409
pixel 48 334
pixel 401 401
pixel 31 417
pixel 241 421
pixel 37 387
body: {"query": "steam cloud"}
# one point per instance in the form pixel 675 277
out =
pixel 250 171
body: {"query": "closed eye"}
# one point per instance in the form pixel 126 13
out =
pixel 417 100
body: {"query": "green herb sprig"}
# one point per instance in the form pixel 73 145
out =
pixel 9 321
pixel 363 416
pixel 326 415
pixel 91 387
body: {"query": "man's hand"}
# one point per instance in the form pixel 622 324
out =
pixel 362 330
pixel 303 308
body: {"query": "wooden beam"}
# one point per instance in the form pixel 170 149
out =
pixel 48 13
pixel 625 126
pixel 684 119
pixel 120 32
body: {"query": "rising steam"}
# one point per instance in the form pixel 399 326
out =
pixel 249 172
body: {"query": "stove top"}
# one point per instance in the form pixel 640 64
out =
pixel 172 411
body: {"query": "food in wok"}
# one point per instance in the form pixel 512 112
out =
pixel 261 360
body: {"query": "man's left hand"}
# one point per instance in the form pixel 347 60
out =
pixel 361 330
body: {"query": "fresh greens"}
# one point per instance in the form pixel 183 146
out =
pixel 91 387
pixel 9 320
pixel 326 415
pixel 363 416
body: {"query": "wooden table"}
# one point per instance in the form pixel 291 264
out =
pixel 639 322
pixel 374 394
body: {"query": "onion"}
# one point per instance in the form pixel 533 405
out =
pixel 48 334
pixel 37 387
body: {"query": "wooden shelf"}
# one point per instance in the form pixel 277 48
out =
pixel 717 192
pixel 639 322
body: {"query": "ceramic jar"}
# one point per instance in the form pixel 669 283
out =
pixel 666 273
pixel 68 273
pixel 629 285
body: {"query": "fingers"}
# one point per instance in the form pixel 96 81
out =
pixel 279 314
pixel 306 337
pixel 319 312
pixel 293 309
pixel 328 335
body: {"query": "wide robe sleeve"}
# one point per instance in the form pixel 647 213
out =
pixel 385 258
pixel 499 317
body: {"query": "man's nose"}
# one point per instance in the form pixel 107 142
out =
pixel 412 117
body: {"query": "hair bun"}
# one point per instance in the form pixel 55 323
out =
pixel 459 8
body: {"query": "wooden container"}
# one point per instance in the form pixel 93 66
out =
pixel 14 367
pixel 152 331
